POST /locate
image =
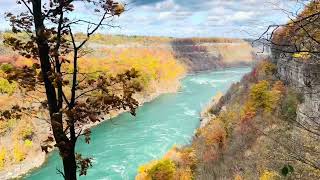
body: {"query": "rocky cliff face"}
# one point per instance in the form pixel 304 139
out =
pixel 304 76
pixel 202 56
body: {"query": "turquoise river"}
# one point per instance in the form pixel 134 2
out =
pixel 120 145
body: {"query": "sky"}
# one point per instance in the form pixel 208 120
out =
pixel 186 18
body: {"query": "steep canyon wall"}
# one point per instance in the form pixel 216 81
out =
pixel 304 76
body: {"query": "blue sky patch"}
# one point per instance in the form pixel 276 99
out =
pixel 187 18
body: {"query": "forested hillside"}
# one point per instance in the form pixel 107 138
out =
pixel 250 132
pixel 158 64
pixel 266 126
pixel 120 90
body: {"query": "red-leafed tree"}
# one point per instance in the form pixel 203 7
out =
pixel 73 99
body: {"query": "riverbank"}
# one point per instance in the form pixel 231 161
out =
pixel 253 131
pixel 121 145
pixel 37 158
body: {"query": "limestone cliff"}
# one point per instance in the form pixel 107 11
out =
pixel 201 55
pixel 304 77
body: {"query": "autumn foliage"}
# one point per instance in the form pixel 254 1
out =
pixel 233 139
pixel 300 37
pixel 177 164
pixel 156 69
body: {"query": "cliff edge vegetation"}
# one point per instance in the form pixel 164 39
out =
pixel 250 134
pixel 266 126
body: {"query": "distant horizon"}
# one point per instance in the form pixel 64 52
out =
pixel 185 18
pixel 189 37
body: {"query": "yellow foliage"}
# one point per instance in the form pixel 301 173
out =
pixel 163 169
pixel 302 55
pixel 260 96
pixel 6 87
pixel 238 177
pixel 123 39
pixel 28 143
pixel 266 68
pixel 143 176
pixel 3 153
pixel 228 118
pixel 265 98
pixel 118 9
pixel 269 175
pixel 153 65
pixel 19 153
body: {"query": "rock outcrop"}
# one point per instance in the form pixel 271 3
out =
pixel 304 76
pixel 202 56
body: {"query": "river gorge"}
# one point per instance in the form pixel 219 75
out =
pixel 123 143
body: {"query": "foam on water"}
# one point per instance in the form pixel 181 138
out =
pixel 121 145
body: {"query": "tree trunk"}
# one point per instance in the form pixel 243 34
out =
pixel 66 146
pixel 69 165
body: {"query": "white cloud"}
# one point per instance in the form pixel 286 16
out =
pixel 191 17
pixel 242 16
pixel 166 5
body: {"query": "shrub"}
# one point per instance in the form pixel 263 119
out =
pixel 210 154
pixel 302 55
pixel 215 133
pixel 6 87
pixel 26 132
pixel 188 158
pixel 259 94
pixel 269 175
pixel 12 123
pixel 23 131
pixel 269 68
pixel 18 152
pixel 213 137
pixel 248 111
pixel 157 170
pixel 3 153
pixel 6 67
pixel 162 170
pixel 28 143
pixel 6 125
pixel 289 106
pixel 238 177
pixel 183 174
pixel 228 118
pixel 266 68
pixel 3 126
pixel 263 98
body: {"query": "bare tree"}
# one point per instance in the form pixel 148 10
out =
pixel 299 35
